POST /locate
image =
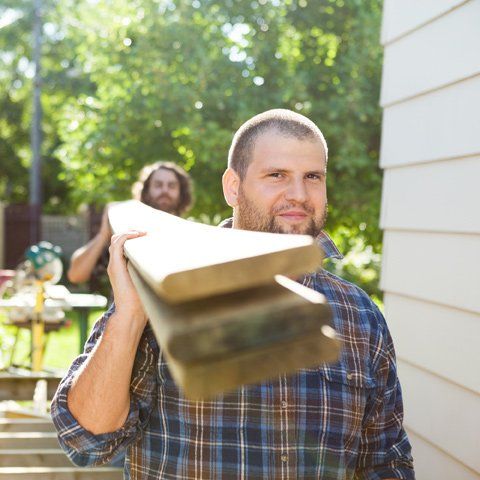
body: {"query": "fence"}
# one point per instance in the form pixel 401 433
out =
pixel 19 228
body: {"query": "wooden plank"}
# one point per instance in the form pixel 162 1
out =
pixel 183 260
pixel 22 387
pixel 433 267
pixel 227 363
pixel 209 328
pixel 417 63
pixel 423 332
pixel 444 414
pixel 26 425
pixel 207 379
pixel 446 208
pixel 47 457
pixel 15 412
pixel 400 17
pixel 28 440
pixel 430 462
pixel 65 473
pixel 441 125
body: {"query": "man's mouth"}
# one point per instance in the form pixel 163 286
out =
pixel 293 215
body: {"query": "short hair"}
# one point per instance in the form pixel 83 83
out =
pixel 285 122
pixel 140 187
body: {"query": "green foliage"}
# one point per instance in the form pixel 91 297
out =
pixel 132 81
pixel 16 73
pixel 61 347
pixel 360 265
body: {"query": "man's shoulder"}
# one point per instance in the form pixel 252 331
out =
pixel 359 324
pixel 337 289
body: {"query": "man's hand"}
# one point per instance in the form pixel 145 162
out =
pixel 125 295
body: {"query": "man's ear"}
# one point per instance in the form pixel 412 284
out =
pixel 231 185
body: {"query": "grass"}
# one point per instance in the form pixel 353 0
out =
pixel 62 346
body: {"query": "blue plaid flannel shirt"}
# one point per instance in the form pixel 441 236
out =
pixel 334 422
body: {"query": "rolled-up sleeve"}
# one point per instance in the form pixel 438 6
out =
pixel 385 450
pixel 83 447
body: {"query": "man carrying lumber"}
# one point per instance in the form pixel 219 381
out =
pixel 336 421
pixel 161 185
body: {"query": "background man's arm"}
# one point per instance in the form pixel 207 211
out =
pixel 85 258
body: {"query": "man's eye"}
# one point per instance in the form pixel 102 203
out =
pixel 275 175
pixel 314 176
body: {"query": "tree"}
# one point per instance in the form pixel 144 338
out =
pixel 175 79
pixel 128 82
pixel 59 83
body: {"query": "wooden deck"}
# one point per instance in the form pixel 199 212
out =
pixel 20 385
pixel 66 473
pixel 29 449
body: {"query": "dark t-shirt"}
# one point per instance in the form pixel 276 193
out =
pixel 99 281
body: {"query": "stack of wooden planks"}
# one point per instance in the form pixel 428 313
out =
pixel 222 302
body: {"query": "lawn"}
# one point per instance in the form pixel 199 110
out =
pixel 62 346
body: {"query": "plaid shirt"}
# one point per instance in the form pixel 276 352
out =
pixel 339 421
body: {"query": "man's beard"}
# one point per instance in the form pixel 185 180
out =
pixel 168 207
pixel 249 217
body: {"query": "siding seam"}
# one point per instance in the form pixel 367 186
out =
pixel 427 300
pixel 437 375
pixel 428 232
pixel 423 93
pixel 440 449
pixel 393 166
pixel 404 34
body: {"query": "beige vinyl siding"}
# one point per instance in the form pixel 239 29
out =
pixel 440 268
pixel 451 57
pixel 441 197
pixel 430 155
pixel 445 412
pixel 441 464
pixel 402 16
pixel 441 125
pixel 442 340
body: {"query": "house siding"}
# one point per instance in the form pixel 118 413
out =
pixel 430 155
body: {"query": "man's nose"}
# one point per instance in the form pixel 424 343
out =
pixel 296 191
